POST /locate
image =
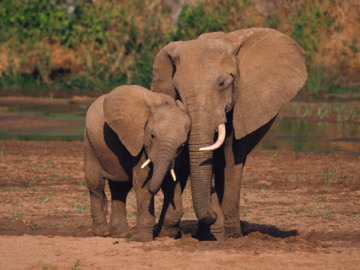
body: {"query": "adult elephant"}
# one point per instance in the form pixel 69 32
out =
pixel 234 82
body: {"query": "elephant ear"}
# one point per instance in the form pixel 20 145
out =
pixel 272 71
pixel 126 111
pixel 164 69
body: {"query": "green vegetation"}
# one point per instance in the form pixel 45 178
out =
pixel 49 268
pixel 49 165
pixel 217 16
pixel 105 44
pixel 76 265
pixel 34 228
pixel 328 176
pixel 80 208
pixel 341 112
pixel 81 183
pixel 127 240
pixel 56 46
pixel 313 24
pixel 46 199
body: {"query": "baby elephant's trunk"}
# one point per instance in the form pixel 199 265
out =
pixel 161 166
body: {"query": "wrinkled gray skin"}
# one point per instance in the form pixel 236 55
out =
pixel 123 129
pixel 240 79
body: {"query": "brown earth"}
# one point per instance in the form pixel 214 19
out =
pixel 298 211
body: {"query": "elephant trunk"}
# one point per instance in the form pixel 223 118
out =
pixel 201 170
pixel 161 165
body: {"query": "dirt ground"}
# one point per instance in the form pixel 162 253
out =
pixel 298 211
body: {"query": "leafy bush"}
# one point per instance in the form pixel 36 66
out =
pixel 69 45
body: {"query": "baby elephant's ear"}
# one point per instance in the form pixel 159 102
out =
pixel 126 111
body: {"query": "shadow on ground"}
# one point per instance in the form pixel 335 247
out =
pixel 190 226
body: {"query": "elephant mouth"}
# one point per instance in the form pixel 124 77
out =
pixel 220 139
pixel 172 171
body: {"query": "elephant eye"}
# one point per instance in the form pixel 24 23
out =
pixel 225 81
pixel 152 135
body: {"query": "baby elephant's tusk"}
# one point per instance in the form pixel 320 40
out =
pixel 173 174
pixel 145 163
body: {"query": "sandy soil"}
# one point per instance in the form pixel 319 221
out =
pixel 298 211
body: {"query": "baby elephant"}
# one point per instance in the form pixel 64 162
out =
pixel 127 129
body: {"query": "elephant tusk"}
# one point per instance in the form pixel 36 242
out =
pixel 145 163
pixel 173 174
pixel 220 140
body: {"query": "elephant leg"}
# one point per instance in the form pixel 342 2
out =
pixel 172 210
pixel 230 205
pixel 228 184
pixel 96 184
pixel 215 231
pixel 118 222
pixel 231 200
pixel 228 173
pixel 145 218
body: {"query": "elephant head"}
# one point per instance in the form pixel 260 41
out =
pixel 248 73
pixel 153 121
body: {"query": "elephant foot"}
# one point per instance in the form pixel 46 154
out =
pixel 233 232
pixel 119 228
pixel 122 233
pixel 142 237
pixel 206 233
pixel 101 230
pixel 169 231
pixel 210 236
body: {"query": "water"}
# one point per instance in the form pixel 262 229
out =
pixel 66 122
pixel 63 122
pixel 306 136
